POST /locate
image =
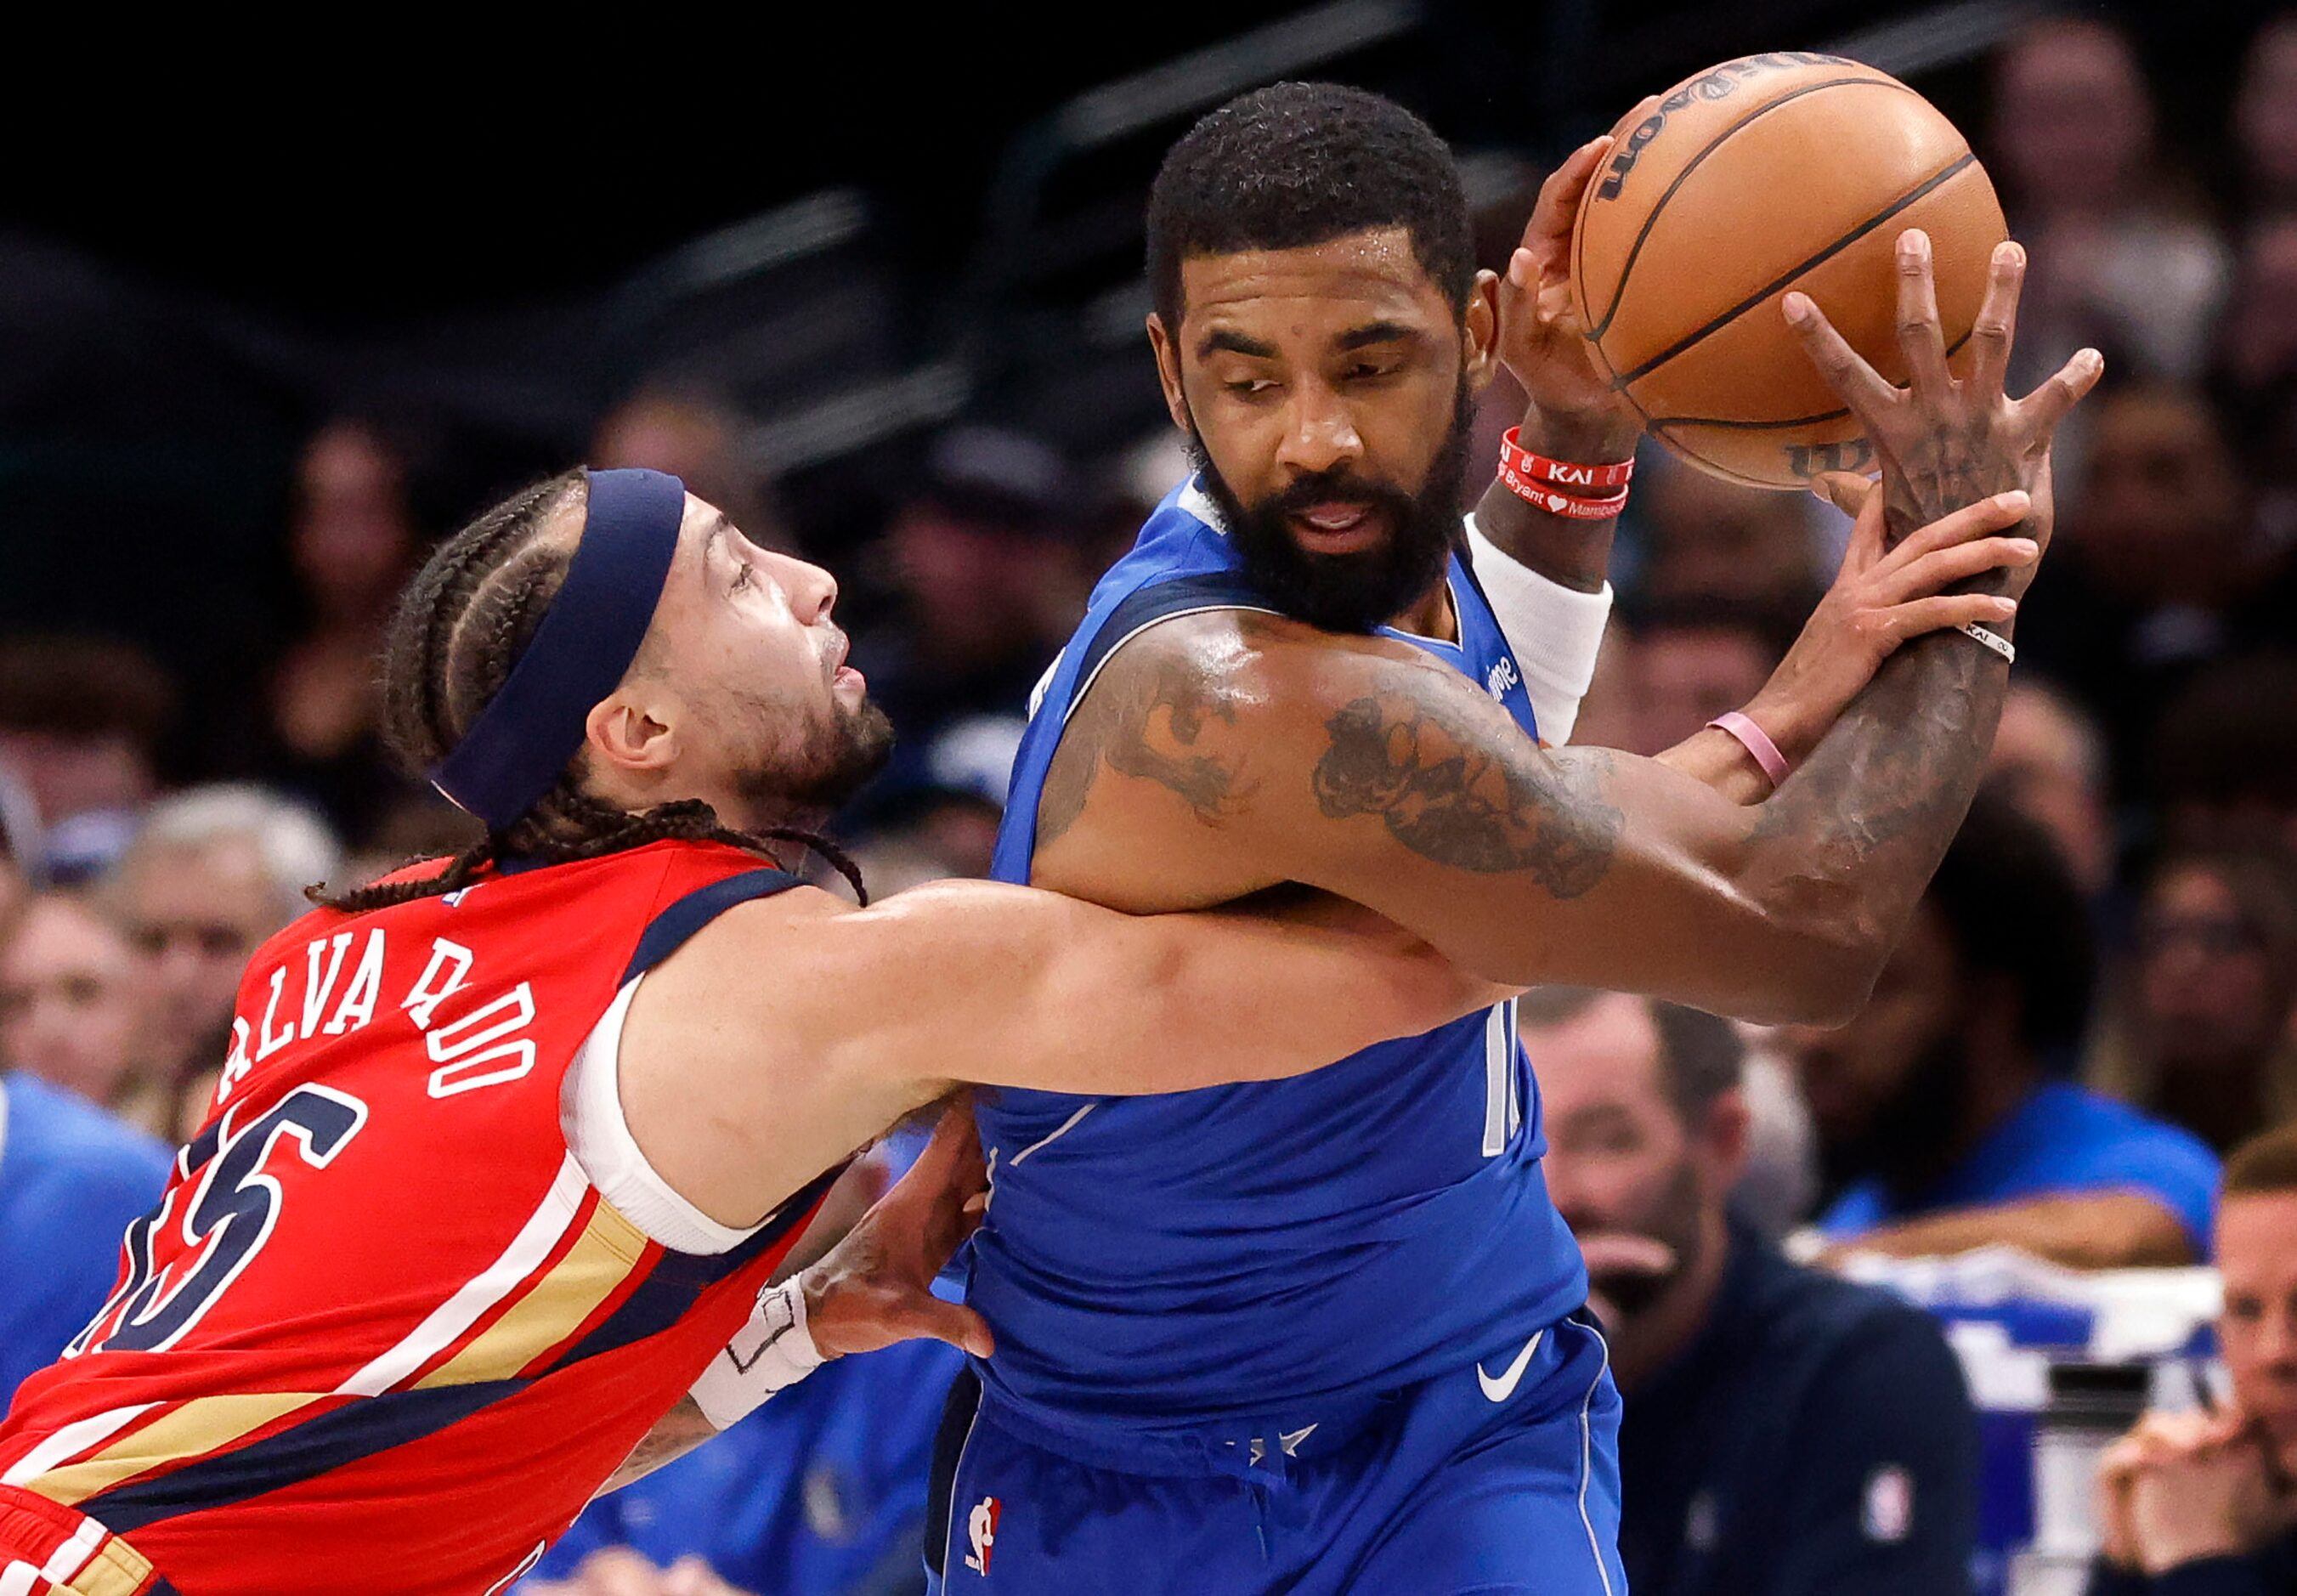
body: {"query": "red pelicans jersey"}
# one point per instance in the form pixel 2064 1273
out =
pixel 381 1333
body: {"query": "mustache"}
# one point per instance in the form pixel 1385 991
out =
pixel 1338 486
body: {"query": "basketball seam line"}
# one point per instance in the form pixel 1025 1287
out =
pixel 1656 423
pixel 1635 250
pixel 1909 198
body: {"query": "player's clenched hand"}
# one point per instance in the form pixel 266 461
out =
pixel 1945 442
pixel 1880 599
pixel 1541 340
pixel 874 1286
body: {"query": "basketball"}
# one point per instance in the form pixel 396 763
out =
pixel 1774 172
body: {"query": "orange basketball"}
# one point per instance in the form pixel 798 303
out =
pixel 1773 172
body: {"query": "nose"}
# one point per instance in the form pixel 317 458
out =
pixel 1319 431
pixel 813 591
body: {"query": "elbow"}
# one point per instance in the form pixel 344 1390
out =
pixel 1827 962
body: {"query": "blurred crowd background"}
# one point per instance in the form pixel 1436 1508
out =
pixel 905 339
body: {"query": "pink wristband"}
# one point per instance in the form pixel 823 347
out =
pixel 1756 742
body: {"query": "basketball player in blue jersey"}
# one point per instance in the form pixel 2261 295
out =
pixel 1324 1335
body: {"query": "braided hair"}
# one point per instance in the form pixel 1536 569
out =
pixel 460 627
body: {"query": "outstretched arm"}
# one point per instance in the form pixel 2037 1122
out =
pixel 1011 986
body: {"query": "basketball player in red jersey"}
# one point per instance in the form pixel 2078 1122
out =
pixel 506 1149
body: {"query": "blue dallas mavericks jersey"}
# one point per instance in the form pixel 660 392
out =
pixel 1274 1249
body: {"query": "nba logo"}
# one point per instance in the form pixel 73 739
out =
pixel 981 1529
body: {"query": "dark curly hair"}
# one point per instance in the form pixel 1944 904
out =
pixel 460 626
pixel 1301 164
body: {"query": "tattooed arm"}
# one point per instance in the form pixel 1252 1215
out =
pixel 1232 752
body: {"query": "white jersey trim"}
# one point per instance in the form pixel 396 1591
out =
pixel 590 1110
pixel 446 1323
pixel 72 1440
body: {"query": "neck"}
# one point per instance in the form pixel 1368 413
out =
pixel 1644 1343
pixel 735 810
pixel 1430 615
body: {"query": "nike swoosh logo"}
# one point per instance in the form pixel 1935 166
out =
pixel 1503 1387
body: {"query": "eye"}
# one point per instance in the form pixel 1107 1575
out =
pixel 1251 387
pixel 741 575
pixel 1367 371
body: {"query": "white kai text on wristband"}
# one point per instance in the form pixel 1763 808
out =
pixel 1990 639
pixel 772 1351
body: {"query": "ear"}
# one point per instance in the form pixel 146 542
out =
pixel 1724 1137
pixel 1167 345
pixel 629 734
pixel 1479 350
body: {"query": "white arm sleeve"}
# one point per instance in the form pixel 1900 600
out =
pixel 1554 630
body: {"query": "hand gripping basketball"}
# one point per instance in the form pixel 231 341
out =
pixel 1945 443
pixel 1542 341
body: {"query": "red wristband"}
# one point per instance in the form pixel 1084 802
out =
pixel 1756 741
pixel 1571 478
pixel 1557 502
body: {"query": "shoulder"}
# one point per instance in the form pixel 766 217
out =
pixel 60 1133
pixel 1881 1353
pixel 2100 1138
pixel 1827 1321
pixel 1250 662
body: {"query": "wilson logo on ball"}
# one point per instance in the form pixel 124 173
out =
pixel 1715 85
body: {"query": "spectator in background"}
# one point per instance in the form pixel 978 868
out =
pixel 1691 659
pixel 2215 988
pixel 76 1008
pixel 699 443
pixel 1944 1121
pixel 2161 574
pixel 1787 1434
pixel 1704 540
pixel 81 720
pixel 2265 118
pixel 2255 376
pixel 986 581
pixel 2224 760
pixel 352 542
pixel 211 875
pixel 72 1179
pixel 2122 258
pixel 2201 1503
pixel 2049 761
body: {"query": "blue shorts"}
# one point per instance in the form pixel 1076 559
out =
pixel 1499 1478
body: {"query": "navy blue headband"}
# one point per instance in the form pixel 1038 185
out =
pixel 522 740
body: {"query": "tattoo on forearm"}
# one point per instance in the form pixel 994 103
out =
pixel 1446 794
pixel 1857 832
pixel 1146 718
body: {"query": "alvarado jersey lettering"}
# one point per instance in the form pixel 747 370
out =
pixel 380 1334
pixel 1275 1249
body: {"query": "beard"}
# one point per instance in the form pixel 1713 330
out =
pixel 1351 592
pixel 1673 1221
pixel 819 770
pixel 1905 1138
